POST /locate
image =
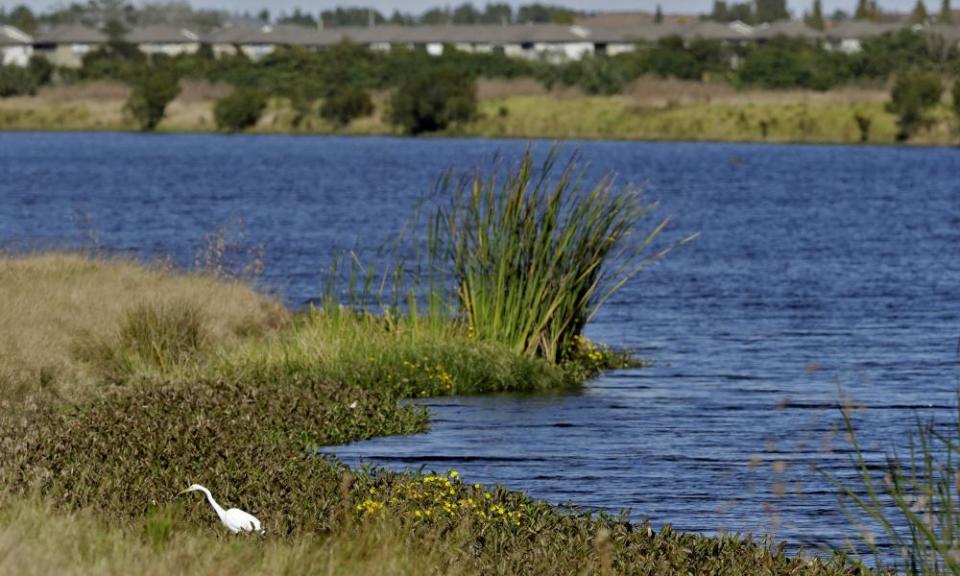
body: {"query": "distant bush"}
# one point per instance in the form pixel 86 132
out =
pixel 433 99
pixel 240 110
pixel 345 104
pixel 150 96
pixel 16 81
pixel 913 94
pixel 41 70
pixel 955 93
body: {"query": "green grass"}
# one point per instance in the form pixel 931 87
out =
pixel 534 253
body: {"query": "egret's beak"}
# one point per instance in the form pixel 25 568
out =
pixel 183 492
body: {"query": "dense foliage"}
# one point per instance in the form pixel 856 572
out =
pixel 16 81
pixel 433 99
pixel 239 110
pixel 150 96
pixel 345 104
pixel 913 94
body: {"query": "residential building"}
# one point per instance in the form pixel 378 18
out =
pixel 67 45
pixel 16 47
pixel 167 40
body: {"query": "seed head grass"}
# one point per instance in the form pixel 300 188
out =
pixel 55 306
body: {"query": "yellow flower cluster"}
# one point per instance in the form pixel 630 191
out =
pixel 431 376
pixel 437 498
pixel 591 352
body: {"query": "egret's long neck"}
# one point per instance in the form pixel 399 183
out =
pixel 213 502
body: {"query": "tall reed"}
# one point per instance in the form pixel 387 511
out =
pixel 913 500
pixel 534 253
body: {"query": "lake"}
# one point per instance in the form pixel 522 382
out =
pixel 821 273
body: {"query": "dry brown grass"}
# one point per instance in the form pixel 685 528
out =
pixel 84 92
pixel 203 91
pixel 654 92
pixel 51 305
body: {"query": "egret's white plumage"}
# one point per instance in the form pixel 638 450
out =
pixel 234 519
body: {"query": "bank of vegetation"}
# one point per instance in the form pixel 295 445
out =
pixel 122 384
pixel 351 89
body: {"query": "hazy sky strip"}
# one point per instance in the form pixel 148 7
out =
pixel 798 6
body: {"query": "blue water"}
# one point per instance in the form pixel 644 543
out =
pixel 821 272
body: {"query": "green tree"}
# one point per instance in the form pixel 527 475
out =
pixel 150 96
pixel 16 81
pixel 264 16
pixel 719 12
pixel 919 14
pixel 771 10
pixel 946 12
pixel 239 110
pixel 815 19
pixel 955 94
pixel 658 15
pixel 23 18
pixel 863 11
pixel 913 94
pixel 432 99
pixel 345 103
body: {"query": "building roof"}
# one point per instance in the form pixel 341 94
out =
pixel 710 30
pixel 860 29
pixel 637 33
pixel 70 34
pixel 281 34
pixel 948 32
pixel 10 36
pixel 791 28
pixel 627 19
pixel 162 34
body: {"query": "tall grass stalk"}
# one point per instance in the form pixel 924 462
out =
pixel 913 501
pixel 534 253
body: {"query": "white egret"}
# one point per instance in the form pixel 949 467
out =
pixel 234 519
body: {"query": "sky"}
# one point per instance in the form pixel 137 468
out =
pixel 695 6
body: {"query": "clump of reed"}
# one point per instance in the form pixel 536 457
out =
pixel 909 505
pixel 153 338
pixel 534 253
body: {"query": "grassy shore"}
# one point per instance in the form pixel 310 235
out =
pixel 651 109
pixel 122 384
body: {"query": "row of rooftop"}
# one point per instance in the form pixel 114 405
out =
pixel 66 45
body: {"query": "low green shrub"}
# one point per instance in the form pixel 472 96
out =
pixel 240 110
pixel 132 450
